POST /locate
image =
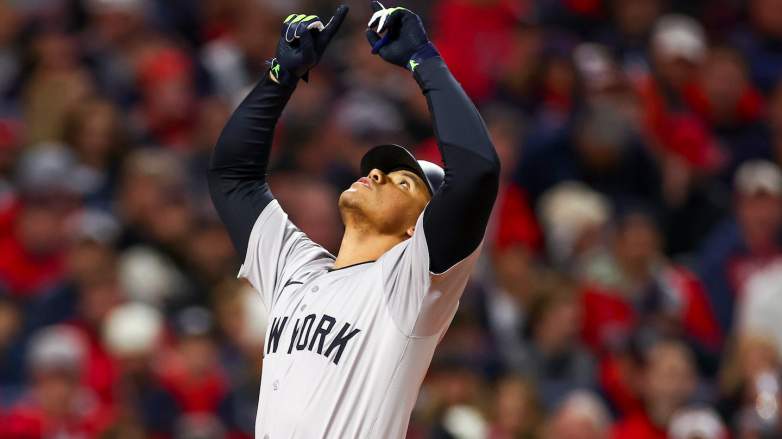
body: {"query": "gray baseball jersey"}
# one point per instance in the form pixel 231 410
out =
pixel 346 350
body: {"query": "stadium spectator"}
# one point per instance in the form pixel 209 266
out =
pixel 603 152
pixel 629 35
pixel 666 382
pixel 630 285
pixel 32 255
pixel 192 372
pixel 56 404
pixel 454 407
pixel 581 415
pixel 517 77
pixel 516 410
pixel 744 243
pixel 242 327
pixel 574 219
pixel 554 357
pixel 748 386
pixel 142 406
pixel 759 41
pixel 116 33
pixel 92 130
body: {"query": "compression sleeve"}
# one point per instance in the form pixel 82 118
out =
pixel 455 219
pixel 237 171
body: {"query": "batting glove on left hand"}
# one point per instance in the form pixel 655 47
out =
pixel 405 42
pixel 302 44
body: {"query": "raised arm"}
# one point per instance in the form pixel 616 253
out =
pixel 455 220
pixel 237 171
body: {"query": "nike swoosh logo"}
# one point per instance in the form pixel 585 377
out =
pixel 292 282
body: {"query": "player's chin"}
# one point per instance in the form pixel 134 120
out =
pixel 352 198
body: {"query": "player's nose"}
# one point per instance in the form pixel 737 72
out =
pixel 377 176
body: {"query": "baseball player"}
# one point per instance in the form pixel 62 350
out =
pixel 350 337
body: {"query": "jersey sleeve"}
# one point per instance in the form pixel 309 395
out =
pixel 278 252
pixel 422 303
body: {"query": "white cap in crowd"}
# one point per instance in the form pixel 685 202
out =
pixel 756 177
pixel 586 405
pixel 567 211
pixel 49 168
pixel 595 65
pixel 56 348
pixel 679 36
pixel 697 423
pixel 132 329
pixel 465 422
pixel 148 276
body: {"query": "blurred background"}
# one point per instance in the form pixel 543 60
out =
pixel 631 279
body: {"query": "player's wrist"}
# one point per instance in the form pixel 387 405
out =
pixel 281 75
pixel 429 70
pixel 422 53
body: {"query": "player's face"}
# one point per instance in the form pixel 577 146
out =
pixel 388 204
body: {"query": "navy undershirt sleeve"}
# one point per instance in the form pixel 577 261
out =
pixel 237 171
pixel 455 220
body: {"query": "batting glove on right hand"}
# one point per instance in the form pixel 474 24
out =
pixel 405 42
pixel 303 41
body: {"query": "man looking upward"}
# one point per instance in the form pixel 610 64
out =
pixel 350 337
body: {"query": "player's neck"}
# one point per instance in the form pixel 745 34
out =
pixel 360 245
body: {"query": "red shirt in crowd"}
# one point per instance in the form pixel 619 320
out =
pixel 86 418
pixel 472 55
pixel 195 394
pixel 24 274
pixel 610 317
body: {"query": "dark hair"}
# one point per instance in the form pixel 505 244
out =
pixel 552 289
pixel 644 340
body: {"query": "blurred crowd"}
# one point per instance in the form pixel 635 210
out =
pixel 631 278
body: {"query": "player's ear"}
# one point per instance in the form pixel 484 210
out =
pixel 410 231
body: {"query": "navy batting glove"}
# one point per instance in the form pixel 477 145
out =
pixel 404 42
pixel 302 44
